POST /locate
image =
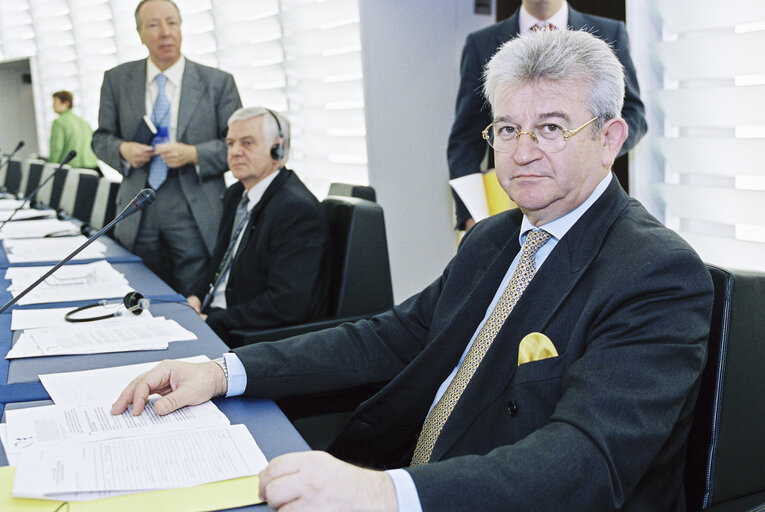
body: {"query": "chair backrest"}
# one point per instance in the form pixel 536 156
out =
pixel 726 446
pixel 86 195
pixel 12 182
pixel 348 190
pixel 74 189
pixel 104 204
pixel 34 175
pixel 361 280
pixel 50 194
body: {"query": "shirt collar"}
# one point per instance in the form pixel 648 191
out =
pixel 526 20
pixel 560 226
pixel 174 73
pixel 255 194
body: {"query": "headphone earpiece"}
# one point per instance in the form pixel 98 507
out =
pixel 133 301
pixel 277 150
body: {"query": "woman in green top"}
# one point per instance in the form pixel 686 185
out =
pixel 70 132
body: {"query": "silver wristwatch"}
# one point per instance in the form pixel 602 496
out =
pixel 221 361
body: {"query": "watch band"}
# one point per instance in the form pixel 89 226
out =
pixel 221 361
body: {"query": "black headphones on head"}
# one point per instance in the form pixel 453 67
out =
pixel 133 301
pixel 277 150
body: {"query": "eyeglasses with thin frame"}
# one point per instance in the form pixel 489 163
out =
pixel 550 137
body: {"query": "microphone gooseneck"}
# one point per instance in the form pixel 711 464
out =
pixel 143 199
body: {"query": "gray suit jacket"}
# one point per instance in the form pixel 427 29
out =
pixel 603 426
pixel 208 97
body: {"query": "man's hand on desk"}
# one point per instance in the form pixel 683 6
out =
pixel 196 305
pixel 180 383
pixel 316 481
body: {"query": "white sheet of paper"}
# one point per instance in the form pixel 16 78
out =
pixel 80 422
pixel 102 385
pixel 11 204
pixel 27 250
pixel 149 334
pixel 51 317
pixel 21 215
pixel 471 190
pixel 156 461
pixel 89 281
pixel 38 228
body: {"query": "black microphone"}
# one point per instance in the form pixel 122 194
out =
pixel 68 159
pixel 140 202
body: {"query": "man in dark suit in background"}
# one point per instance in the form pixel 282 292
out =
pixel 189 105
pixel 466 149
pixel 555 363
pixel 270 266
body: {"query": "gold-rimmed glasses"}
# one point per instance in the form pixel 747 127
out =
pixel 550 137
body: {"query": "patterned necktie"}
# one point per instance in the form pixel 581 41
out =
pixel 241 217
pixel 441 411
pixel 542 26
pixel 160 116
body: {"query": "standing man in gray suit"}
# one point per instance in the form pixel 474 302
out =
pixel 188 104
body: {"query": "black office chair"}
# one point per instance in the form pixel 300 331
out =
pixel 12 182
pixel 725 468
pixel 360 285
pixel 34 176
pixel 348 190
pixel 105 203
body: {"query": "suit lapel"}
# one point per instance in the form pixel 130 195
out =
pixel 534 311
pixel 508 29
pixel 275 185
pixel 576 21
pixel 192 94
pixel 135 92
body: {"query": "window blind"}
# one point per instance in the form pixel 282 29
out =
pixel 701 168
pixel 300 57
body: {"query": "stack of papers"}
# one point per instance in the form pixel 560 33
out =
pixel 26 214
pixel 91 281
pixel 94 338
pixel 51 317
pixel 39 228
pixel 11 204
pixel 76 451
pixel 24 250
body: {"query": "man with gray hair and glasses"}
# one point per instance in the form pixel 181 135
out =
pixel 555 363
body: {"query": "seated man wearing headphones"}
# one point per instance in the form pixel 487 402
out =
pixel 270 266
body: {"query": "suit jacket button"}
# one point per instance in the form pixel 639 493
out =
pixel 512 409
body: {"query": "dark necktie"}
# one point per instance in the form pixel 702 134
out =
pixel 241 217
pixel 437 417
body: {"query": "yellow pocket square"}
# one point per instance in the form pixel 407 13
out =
pixel 535 347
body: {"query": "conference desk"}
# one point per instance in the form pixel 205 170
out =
pixel 21 386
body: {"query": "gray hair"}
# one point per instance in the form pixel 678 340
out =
pixel 138 10
pixel 270 127
pixel 572 56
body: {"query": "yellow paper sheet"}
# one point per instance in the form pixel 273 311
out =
pixel 234 493
pixel 496 198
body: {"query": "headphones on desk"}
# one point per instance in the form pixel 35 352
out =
pixel 134 303
pixel 277 150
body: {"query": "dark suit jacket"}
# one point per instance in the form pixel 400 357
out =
pixel 603 426
pixel 280 275
pixel 467 149
pixel 208 97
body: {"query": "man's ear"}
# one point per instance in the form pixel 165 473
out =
pixel 614 134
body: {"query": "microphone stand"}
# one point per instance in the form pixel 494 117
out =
pixel 77 251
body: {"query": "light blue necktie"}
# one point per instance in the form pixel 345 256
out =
pixel 160 116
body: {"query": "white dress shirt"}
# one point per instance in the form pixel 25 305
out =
pixel 173 85
pixel 526 20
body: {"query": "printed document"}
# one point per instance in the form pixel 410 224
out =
pixel 24 250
